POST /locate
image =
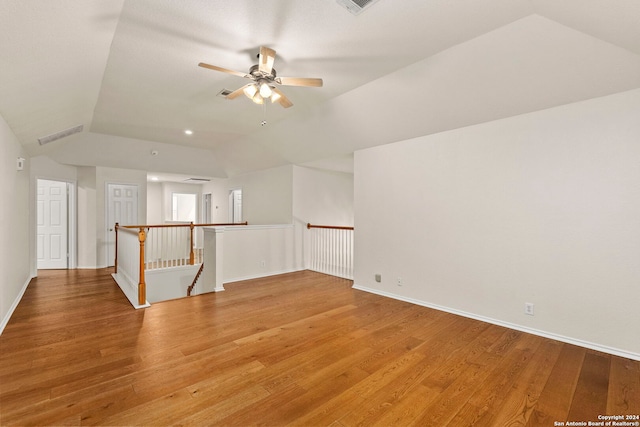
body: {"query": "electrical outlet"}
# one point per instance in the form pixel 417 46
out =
pixel 399 281
pixel 378 278
pixel 263 264
pixel 528 308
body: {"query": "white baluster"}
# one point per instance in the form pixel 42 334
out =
pixel 334 252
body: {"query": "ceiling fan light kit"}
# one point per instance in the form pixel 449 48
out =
pixel 265 82
pixel 265 90
pixel 250 91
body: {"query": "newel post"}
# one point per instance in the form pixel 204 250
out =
pixel 191 254
pixel 142 287
pixel 115 262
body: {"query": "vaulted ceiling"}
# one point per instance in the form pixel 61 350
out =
pixel 127 71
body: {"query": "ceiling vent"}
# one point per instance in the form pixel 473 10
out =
pixel 356 6
pixel 223 93
pixel 58 135
pixel 197 180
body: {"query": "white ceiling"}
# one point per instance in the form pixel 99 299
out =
pixel 127 70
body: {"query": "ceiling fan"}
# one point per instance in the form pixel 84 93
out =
pixel 265 80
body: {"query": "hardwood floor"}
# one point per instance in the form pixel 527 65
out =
pixel 298 349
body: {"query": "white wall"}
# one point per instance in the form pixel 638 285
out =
pixel 322 197
pixel 272 196
pixel 44 168
pixel 219 199
pixel 154 203
pixel 110 151
pixel 169 283
pixel 541 208
pixel 16 244
pixel 267 196
pixel 168 188
pixel 256 251
pixel 87 225
pixel 159 199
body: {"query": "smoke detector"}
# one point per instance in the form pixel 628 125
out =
pixel 356 6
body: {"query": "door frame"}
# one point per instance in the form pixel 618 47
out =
pixel 232 207
pixel 203 217
pixel 106 212
pixel 72 220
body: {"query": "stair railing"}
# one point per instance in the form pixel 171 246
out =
pixel 195 280
pixel 143 247
pixel 330 250
pixel 129 261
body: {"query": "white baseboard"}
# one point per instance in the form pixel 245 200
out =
pixel 545 334
pixel 13 307
pixel 129 290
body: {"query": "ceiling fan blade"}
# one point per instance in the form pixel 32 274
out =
pixel 298 81
pixel 236 93
pixel 267 56
pixel 224 70
pixel 282 99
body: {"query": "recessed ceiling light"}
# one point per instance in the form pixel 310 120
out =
pixel 154 178
pixel 188 132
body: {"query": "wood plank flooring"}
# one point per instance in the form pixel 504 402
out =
pixel 301 349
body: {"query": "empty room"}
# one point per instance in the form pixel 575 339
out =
pixel 328 212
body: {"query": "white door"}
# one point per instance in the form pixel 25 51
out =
pixel 235 206
pixel 53 225
pixel 122 207
pixel 206 208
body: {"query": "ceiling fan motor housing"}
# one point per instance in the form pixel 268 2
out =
pixel 264 80
pixel 255 71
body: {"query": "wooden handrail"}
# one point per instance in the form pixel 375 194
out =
pixel 141 231
pixel 135 228
pixel 191 226
pixel 132 230
pixel 333 227
pixel 330 249
pixel 222 224
pixel 195 279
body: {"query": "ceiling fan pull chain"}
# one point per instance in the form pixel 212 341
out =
pixel 264 114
